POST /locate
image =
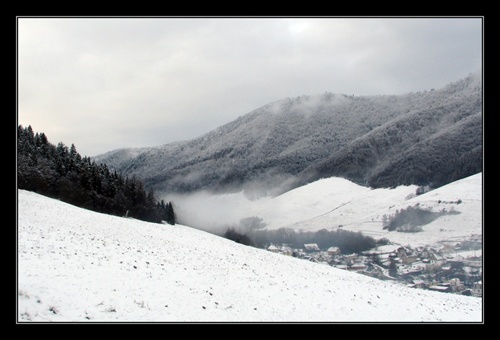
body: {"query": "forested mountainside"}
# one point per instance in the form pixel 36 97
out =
pixel 429 137
pixel 432 146
pixel 61 172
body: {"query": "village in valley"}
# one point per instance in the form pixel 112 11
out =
pixel 452 267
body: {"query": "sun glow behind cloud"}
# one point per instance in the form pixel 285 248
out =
pixel 107 83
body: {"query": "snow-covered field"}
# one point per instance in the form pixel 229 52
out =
pixel 78 265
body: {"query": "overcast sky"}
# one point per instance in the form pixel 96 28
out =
pixel 108 83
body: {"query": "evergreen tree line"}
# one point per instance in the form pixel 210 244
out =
pixel 348 241
pixel 61 172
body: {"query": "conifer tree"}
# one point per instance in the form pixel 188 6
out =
pixel 170 215
pixel 59 172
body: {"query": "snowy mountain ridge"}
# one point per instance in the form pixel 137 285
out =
pixel 78 265
pixel 429 137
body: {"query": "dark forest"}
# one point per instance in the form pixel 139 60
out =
pixel 60 172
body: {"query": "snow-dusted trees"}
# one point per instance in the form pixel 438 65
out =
pixel 380 141
pixel 411 219
pixel 60 172
pixel 167 210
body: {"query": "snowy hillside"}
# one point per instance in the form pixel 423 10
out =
pixel 78 265
pixel 333 203
pixel 384 141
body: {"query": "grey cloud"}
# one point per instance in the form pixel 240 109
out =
pixel 109 83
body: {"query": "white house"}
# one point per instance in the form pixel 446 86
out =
pixel 333 251
pixel 311 247
pixel 273 248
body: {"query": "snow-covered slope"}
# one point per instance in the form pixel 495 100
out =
pixel 329 203
pixel 464 196
pixel 334 202
pixel 78 265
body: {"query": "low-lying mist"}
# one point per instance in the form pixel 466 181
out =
pixel 235 216
pixel 215 213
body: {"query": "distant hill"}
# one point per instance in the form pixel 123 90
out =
pixel 435 144
pixel 333 203
pixel 430 137
pixel 338 204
